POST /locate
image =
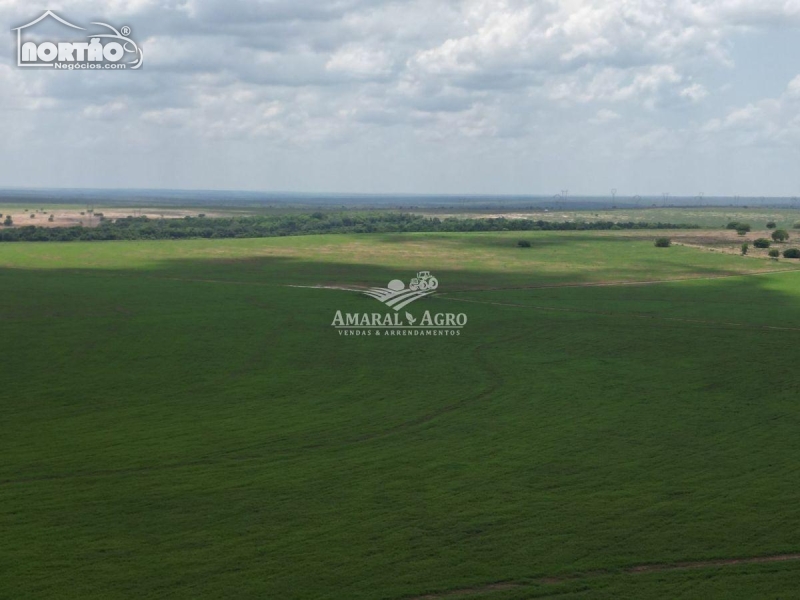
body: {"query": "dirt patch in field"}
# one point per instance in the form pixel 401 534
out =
pixel 724 240
pixel 69 217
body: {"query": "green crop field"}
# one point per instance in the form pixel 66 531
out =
pixel 177 420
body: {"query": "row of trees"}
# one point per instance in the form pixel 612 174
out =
pixel 144 228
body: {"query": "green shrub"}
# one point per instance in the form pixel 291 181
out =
pixel 743 228
pixel 796 225
pixel 774 253
pixel 791 253
pixel 761 243
pixel 663 242
pixel 8 222
pixel 136 228
pixel 732 225
pixel 780 235
pixel 524 244
pixel 771 225
pixel 745 248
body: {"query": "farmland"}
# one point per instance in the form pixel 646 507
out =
pixel 706 216
pixel 179 419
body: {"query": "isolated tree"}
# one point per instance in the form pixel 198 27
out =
pixel 745 248
pixel 791 253
pixel 771 225
pixel 663 242
pixel 761 243
pixel 33 216
pixel 9 221
pixel 774 253
pixel 51 218
pixel 732 225
pixel 780 235
pixel 743 228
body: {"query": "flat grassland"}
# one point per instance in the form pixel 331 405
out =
pixel 615 421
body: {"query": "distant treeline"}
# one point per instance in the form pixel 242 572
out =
pixel 144 228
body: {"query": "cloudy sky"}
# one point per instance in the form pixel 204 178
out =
pixel 428 96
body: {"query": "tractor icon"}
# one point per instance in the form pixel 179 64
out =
pixel 423 281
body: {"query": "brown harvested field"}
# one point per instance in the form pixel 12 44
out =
pixel 71 217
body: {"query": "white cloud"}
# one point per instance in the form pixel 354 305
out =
pixel 605 115
pixel 510 73
pixel 359 61
pixel 770 121
pixel 694 92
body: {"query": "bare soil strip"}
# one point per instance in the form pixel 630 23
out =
pixel 636 569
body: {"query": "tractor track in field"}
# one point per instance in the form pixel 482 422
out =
pixel 360 288
pixel 593 574
pixel 496 381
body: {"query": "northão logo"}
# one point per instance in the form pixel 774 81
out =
pixel 104 50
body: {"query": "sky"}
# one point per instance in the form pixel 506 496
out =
pixel 407 96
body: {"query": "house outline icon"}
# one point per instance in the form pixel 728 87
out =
pixel 47 13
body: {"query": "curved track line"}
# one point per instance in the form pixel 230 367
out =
pixel 496 381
